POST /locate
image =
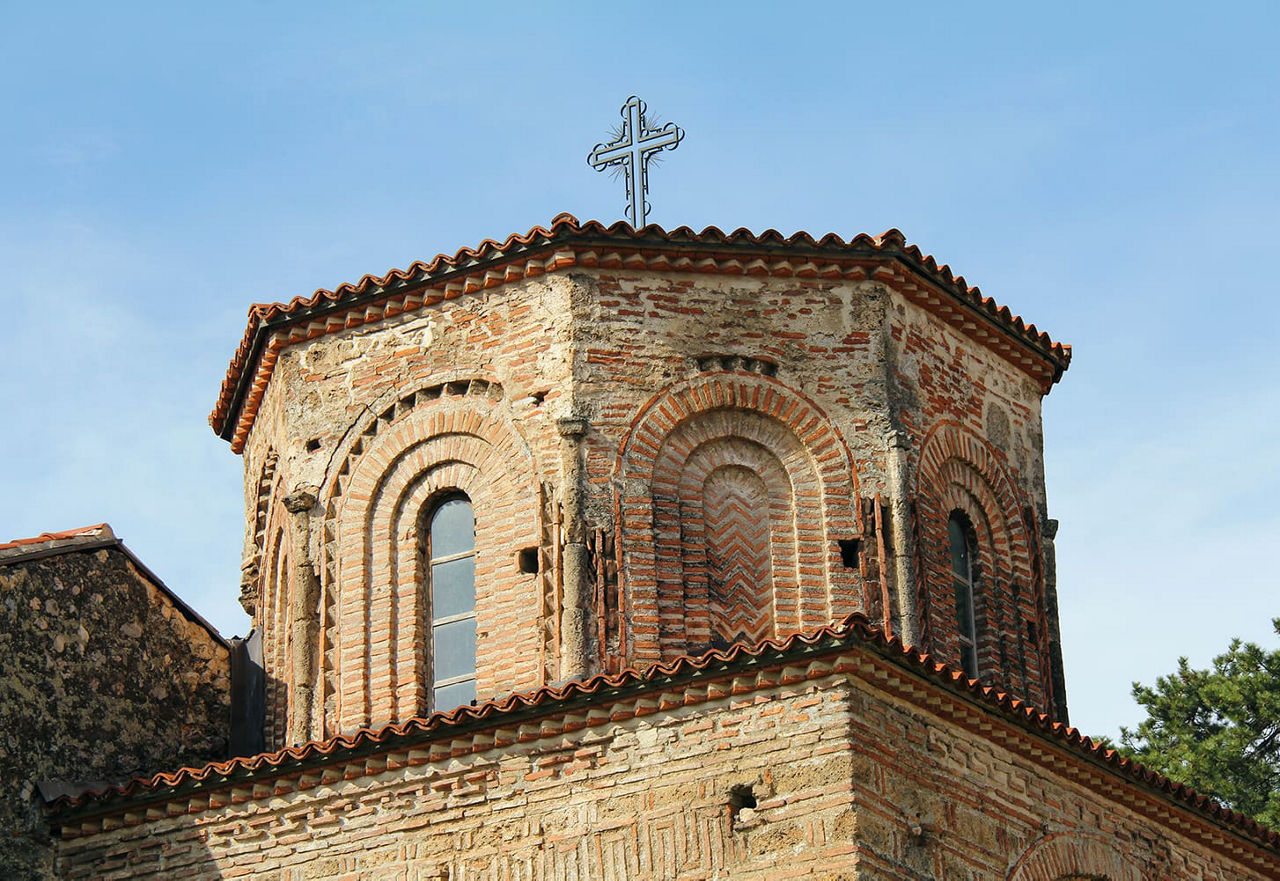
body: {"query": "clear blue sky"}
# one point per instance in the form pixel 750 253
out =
pixel 1109 171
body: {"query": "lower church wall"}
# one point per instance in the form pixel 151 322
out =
pixel 851 778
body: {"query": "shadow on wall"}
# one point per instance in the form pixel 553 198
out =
pixel 248 697
pixel 186 851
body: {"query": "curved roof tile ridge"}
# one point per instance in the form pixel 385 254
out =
pixel 838 636
pixel 891 242
pixel 55 536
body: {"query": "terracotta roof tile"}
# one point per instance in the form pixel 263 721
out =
pixel 567 242
pixel 68 538
pixel 100 528
pixel 728 664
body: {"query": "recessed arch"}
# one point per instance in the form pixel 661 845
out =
pixel 960 471
pixel 1067 856
pixel 441 444
pixel 771 447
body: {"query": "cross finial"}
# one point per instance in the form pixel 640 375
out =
pixel 631 151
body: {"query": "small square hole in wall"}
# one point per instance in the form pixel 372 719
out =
pixel 849 550
pixel 742 807
pixel 527 560
pixel 313 445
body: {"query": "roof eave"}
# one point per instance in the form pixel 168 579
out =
pixel 568 234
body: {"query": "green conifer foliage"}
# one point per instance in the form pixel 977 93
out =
pixel 1217 730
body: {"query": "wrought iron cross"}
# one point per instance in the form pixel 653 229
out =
pixel 635 145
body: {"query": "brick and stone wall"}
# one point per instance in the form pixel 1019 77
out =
pixel 654 442
pixel 374 425
pixel 102 678
pixel 844 766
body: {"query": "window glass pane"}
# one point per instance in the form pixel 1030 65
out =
pixel 453 587
pixel 964 602
pixel 453 529
pixel 454 649
pixel 959 547
pixel 451 697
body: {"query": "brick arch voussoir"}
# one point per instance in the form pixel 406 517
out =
pixel 722 452
pixel 951 456
pixel 390 408
pixel 1067 855
pixel 947 445
pixel 647 473
pixel 409 696
pixel 367 520
pixel 416 439
pixel 977 504
pixel 382 480
pixel 766 395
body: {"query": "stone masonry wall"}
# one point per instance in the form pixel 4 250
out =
pixel 646 798
pixel 861 775
pixel 101 678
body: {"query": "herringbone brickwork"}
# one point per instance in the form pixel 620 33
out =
pixel 739 556
pixel 801 487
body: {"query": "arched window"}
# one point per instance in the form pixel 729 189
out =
pixel 451 603
pixel 960 531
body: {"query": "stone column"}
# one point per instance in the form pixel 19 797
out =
pixel 304 612
pixel 575 630
pixel 904 546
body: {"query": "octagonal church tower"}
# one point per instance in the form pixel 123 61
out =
pixel 587 448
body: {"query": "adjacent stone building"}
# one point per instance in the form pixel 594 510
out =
pixel 104 675
pixel 604 553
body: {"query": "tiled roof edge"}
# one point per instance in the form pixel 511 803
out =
pixel 565 229
pixel 855 630
pixel 55 542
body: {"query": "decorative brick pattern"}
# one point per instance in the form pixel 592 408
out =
pixel 960 471
pixel 862 764
pixel 739 556
pixel 438 443
pixel 648 797
pixel 277 632
pixel 251 586
pixel 1074 855
pixel 795 481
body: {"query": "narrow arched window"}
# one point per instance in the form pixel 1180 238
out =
pixel 962 578
pixel 451 603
